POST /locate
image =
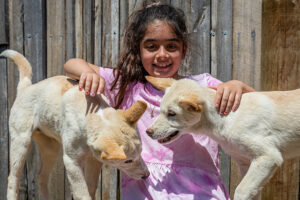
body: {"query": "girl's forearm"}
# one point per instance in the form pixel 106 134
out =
pixel 76 66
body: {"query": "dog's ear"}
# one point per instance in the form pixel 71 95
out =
pixel 160 83
pixel 117 154
pixel 108 149
pixel 133 114
pixel 111 150
pixel 191 103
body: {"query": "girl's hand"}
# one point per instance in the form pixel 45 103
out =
pixel 229 94
pixel 92 83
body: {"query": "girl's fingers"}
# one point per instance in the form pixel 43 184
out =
pixel 218 97
pixel 82 81
pixel 95 85
pixel 101 86
pixel 230 102
pixel 224 101
pixel 88 84
pixel 237 101
pixel 212 87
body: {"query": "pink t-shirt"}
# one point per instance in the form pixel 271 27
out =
pixel 186 169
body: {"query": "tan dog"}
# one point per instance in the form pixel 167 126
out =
pixel 259 136
pixel 56 114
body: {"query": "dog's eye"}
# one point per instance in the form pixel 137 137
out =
pixel 171 114
pixel 128 161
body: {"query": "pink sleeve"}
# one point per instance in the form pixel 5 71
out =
pixel 205 80
pixel 107 74
pixel 211 81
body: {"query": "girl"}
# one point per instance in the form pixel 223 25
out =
pixel 156 44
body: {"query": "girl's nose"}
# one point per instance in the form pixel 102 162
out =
pixel 162 53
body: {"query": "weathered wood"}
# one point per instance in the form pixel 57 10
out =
pixel 4 137
pixel 110 54
pixel 221 59
pixel 70 53
pixel 98 7
pixel 198 23
pixel 106 39
pixel 281 71
pixel 78 29
pixel 16 41
pixel 70 29
pixel 98 32
pixel 34 49
pixel 3 27
pixel 55 61
pixel 88 31
pixel 247 41
pixel 246 54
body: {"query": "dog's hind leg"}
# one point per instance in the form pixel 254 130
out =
pixel 261 169
pixel 49 151
pixel 92 170
pixel 20 146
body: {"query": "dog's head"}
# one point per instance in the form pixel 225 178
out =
pixel 115 141
pixel 180 109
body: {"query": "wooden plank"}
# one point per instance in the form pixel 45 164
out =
pixel 55 62
pixel 3 25
pixel 281 71
pixel 224 40
pixel 247 42
pixel 198 24
pixel 246 54
pixel 78 29
pixel 98 32
pixel 4 135
pixel 15 43
pixel 221 60
pixel 88 31
pixel 34 51
pixel 70 53
pixel 4 138
pixel 106 37
pixel 110 55
pixel 70 29
pixel 97 61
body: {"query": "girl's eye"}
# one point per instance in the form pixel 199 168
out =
pixel 171 114
pixel 151 47
pixel 172 47
pixel 128 161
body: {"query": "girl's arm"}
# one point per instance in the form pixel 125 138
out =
pixel 229 94
pixel 87 74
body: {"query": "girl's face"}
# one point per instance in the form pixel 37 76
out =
pixel 161 50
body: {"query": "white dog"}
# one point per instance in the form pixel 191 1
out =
pixel 56 114
pixel 259 136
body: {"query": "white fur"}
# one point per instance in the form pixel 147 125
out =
pixel 263 132
pixel 58 116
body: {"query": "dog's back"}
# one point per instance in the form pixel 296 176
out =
pixel 31 99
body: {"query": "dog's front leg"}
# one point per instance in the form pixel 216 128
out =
pixel 76 178
pixel 92 170
pixel 261 169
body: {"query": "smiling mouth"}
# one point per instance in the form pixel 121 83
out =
pixel 169 138
pixel 162 67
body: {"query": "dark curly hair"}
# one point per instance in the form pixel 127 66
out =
pixel 130 68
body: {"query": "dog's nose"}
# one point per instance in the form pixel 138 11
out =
pixel 146 176
pixel 150 132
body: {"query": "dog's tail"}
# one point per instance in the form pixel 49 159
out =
pixel 23 66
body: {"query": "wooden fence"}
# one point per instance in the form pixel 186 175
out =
pixel 255 41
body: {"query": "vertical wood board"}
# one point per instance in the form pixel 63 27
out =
pixel 281 71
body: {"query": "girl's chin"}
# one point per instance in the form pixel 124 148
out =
pixel 167 74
